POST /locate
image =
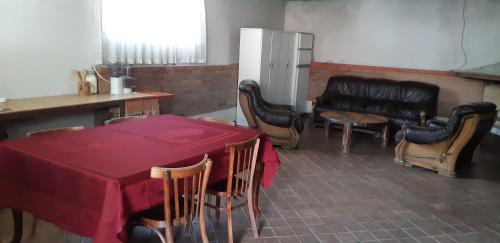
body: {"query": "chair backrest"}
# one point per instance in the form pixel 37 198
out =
pixel 249 92
pixel 215 120
pixel 123 119
pixel 485 113
pixel 3 134
pixel 51 131
pixel 186 186
pixel 459 112
pixel 242 161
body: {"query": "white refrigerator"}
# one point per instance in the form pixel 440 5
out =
pixel 279 61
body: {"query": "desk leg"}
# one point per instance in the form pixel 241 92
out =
pixel 346 138
pixel 18 225
pixel 259 170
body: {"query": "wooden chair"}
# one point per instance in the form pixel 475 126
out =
pixel 56 130
pixel 215 120
pixel 186 204
pixel 240 183
pixel 17 215
pixel 123 119
pixel 40 133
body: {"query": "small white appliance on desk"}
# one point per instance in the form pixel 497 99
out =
pixel 116 86
pixel 3 105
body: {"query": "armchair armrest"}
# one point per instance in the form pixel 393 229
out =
pixel 425 135
pixel 423 118
pixel 436 123
pixel 275 117
pixel 278 107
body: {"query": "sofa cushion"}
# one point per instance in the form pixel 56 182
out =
pixel 394 99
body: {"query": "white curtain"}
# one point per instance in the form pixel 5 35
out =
pixel 153 31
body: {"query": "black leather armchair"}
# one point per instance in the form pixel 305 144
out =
pixel 279 121
pixel 447 147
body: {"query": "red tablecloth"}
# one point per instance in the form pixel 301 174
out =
pixel 89 181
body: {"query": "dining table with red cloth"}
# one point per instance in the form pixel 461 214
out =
pixel 91 181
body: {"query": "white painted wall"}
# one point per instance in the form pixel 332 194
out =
pixel 42 41
pixel 422 34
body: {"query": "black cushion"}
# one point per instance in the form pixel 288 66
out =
pixel 460 111
pixel 425 135
pixel 437 131
pixel 401 101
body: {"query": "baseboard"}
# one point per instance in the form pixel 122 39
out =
pixel 226 114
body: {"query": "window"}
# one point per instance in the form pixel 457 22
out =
pixel 153 31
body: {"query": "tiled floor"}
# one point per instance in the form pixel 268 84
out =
pixel 322 195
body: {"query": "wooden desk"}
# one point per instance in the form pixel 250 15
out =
pixel 133 104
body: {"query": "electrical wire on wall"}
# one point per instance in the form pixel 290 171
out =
pixel 464 24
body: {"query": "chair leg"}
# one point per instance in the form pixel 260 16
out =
pixel 217 205
pixel 169 233
pixel 157 232
pixel 251 213
pixel 33 227
pixel 256 189
pixel 229 220
pixel 18 225
pixel 203 226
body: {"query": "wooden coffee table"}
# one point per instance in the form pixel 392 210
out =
pixel 350 119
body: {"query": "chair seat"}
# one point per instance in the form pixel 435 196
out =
pixel 220 186
pixel 155 217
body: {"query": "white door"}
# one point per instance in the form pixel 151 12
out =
pixel 266 64
pixel 274 73
pixel 283 86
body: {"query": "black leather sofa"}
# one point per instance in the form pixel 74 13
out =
pixel 403 102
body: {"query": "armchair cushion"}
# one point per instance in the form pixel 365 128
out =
pixel 278 107
pixel 436 123
pixel 425 135
pixel 275 117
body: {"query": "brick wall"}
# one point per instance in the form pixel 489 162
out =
pixel 198 89
pixel 454 90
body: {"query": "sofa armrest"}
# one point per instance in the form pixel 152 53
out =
pixel 425 135
pixel 436 123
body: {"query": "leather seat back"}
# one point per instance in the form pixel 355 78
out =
pixel 459 112
pixel 402 101
pixel 258 107
pixel 487 117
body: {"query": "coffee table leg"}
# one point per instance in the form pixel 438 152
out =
pixel 327 128
pixel 385 135
pixel 346 138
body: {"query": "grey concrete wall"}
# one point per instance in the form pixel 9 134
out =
pixel 421 34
